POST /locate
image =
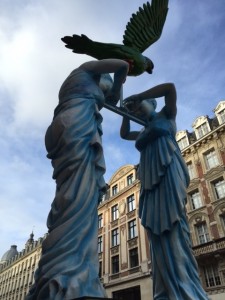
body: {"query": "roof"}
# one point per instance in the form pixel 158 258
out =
pixel 10 253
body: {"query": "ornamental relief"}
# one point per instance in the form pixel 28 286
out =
pixel 115 250
pixel 122 207
pixel 132 242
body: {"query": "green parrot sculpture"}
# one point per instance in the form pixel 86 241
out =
pixel 143 29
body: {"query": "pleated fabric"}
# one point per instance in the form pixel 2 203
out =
pixel 164 179
pixel 69 265
pixel 174 268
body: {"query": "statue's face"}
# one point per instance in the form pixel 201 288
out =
pixel 147 108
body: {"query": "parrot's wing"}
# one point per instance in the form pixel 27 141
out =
pixel 145 27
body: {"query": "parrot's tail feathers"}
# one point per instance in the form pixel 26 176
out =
pixel 79 44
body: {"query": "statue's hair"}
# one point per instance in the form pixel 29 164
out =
pixel 153 101
pixel 106 82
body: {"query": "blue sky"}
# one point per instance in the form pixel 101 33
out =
pixel 34 63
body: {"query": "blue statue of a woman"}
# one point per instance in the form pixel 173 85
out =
pixel 69 266
pixel 164 179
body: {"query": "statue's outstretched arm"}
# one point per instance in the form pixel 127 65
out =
pixel 125 132
pixel 120 69
pixel 166 90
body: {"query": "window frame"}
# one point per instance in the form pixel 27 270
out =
pixel 183 142
pixel 211 276
pixel 211 159
pixel 191 170
pixel 202 129
pixel 114 189
pixel 115 264
pixel 195 205
pixel 217 190
pixel 132 230
pixel 133 257
pixel 100 244
pixel 115 237
pixel 202 237
pixel 131 204
pixel 221 115
pixel 115 212
pixel 100 221
pixel 130 179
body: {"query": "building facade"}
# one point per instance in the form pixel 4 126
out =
pixel 17 270
pixel 124 254
pixel 204 153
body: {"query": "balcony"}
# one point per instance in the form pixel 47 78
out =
pixel 211 247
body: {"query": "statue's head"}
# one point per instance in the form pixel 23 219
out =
pixel 151 101
pixel 147 108
pixel 149 66
pixel 105 83
pixel 144 109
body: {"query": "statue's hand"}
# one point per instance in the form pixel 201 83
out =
pixel 132 103
pixel 112 98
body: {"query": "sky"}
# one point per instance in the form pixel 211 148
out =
pixel 34 63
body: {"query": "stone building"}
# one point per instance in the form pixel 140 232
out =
pixel 17 269
pixel 204 153
pixel 124 254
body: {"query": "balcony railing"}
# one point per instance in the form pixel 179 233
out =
pixel 210 247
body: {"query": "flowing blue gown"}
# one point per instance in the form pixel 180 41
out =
pixel 69 266
pixel 164 179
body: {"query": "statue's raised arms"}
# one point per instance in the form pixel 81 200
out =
pixel 143 29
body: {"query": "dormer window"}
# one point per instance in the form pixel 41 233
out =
pixel 222 116
pixel 220 112
pixel 201 126
pixel 202 129
pixel 182 139
pixel 183 143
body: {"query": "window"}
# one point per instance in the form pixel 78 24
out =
pixel 222 217
pixel 115 237
pixel 114 189
pixel 133 254
pixel 115 264
pixel 100 269
pixel 202 231
pixel 115 213
pixel 102 198
pixel 222 116
pixel 100 221
pixel 219 187
pixel 129 179
pixel 211 274
pixel 100 244
pixel 132 293
pixel 196 200
pixel 131 203
pixel 183 143
pixel 132 229
pixel 211 159
pixel 191 170
pixel 202 130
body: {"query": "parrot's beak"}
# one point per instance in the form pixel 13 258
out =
pixel 150 66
